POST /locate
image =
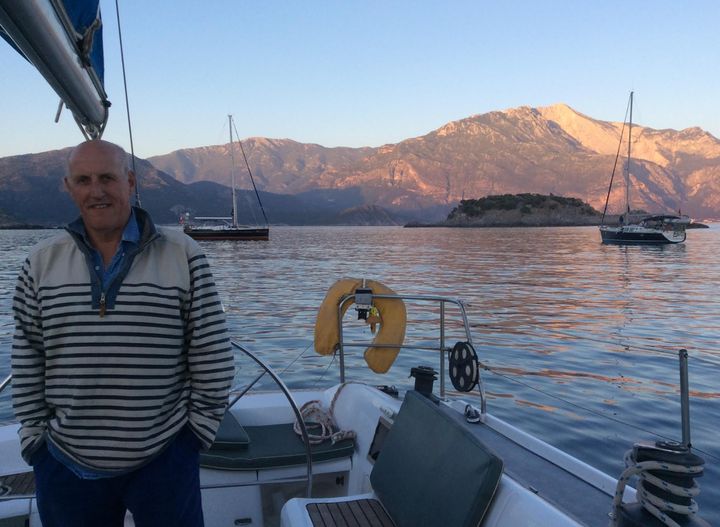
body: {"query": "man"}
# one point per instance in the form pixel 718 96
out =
pixel 121 361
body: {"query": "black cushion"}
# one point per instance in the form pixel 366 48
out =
pixel 271 446
pixel 230 434
pixel 432 470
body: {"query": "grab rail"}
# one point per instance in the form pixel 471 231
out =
pixel 7 380
pixel 298 414
pixel 442 348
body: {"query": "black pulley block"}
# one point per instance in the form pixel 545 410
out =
pixel 464 370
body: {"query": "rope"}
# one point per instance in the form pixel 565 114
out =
pixel 127 105
pixel 252 179
pixel 251 208
pixel 585 409
pixel 322 377
pixel 317 419
pixel 652 503
pixel 617 156
pixel 660 352
pixel 296 359
pixel 86 42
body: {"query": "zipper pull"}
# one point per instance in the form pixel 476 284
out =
pixel 102 304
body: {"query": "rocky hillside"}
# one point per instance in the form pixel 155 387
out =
pixel 546 150
pixel 32 192
pixel 551 150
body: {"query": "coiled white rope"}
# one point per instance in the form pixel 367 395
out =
pixel 650 502
pixel 320 424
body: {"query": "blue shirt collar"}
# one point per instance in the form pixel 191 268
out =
pixel 131 232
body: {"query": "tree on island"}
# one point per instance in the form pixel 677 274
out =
pixel 526 203
pixel 522 210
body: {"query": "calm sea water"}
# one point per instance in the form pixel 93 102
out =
pixel 580 339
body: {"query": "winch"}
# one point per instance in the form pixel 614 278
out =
pixel 666 472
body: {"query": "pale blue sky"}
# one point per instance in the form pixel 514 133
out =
pixel 366 73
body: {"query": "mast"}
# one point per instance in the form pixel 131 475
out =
pixel 232 173
pixel 627 174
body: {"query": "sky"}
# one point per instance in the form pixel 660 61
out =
pixel 367 73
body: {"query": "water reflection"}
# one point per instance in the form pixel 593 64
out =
pixel 577 332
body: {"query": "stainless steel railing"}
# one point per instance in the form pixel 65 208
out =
pixel 441 347
pixel 296 410
pixel 6 381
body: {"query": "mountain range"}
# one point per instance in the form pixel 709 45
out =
pixel 547 150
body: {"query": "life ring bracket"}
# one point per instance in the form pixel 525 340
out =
pixel 391 318
pixel 381 352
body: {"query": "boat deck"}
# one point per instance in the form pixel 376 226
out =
pixel 578 499
pixel 18 485
pixel 358 513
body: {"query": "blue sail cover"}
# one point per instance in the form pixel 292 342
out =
pixel 63 40
pixel 82 14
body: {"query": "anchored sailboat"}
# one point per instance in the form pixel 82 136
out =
pixel 640 229
pixel 227 228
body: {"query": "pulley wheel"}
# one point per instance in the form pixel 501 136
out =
pixel 464 371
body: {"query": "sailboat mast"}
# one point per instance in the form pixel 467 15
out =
pixel 627 173
pixel 232 173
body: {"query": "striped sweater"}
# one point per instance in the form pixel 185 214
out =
pixel 111 376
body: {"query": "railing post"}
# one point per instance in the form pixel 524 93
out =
pixel 442 349
pixel 684 398
pixel 341 347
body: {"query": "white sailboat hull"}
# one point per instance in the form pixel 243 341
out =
pixel 257 497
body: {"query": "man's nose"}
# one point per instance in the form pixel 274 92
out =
pixel 96 188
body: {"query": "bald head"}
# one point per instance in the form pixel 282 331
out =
pixel 97 147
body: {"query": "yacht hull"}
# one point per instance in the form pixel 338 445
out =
pixel 635 235
pixel 229 233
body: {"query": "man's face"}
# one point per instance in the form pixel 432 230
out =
pixel 101 188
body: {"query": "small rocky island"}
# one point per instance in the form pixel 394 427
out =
pixel 520 210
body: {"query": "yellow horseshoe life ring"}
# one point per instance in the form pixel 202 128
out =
pixel 392 325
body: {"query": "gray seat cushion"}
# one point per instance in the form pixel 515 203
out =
pixel 433 471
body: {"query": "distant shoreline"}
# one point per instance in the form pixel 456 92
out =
pixel 410 225
pixel 417 225
pixel 25 227
pixel 414 225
